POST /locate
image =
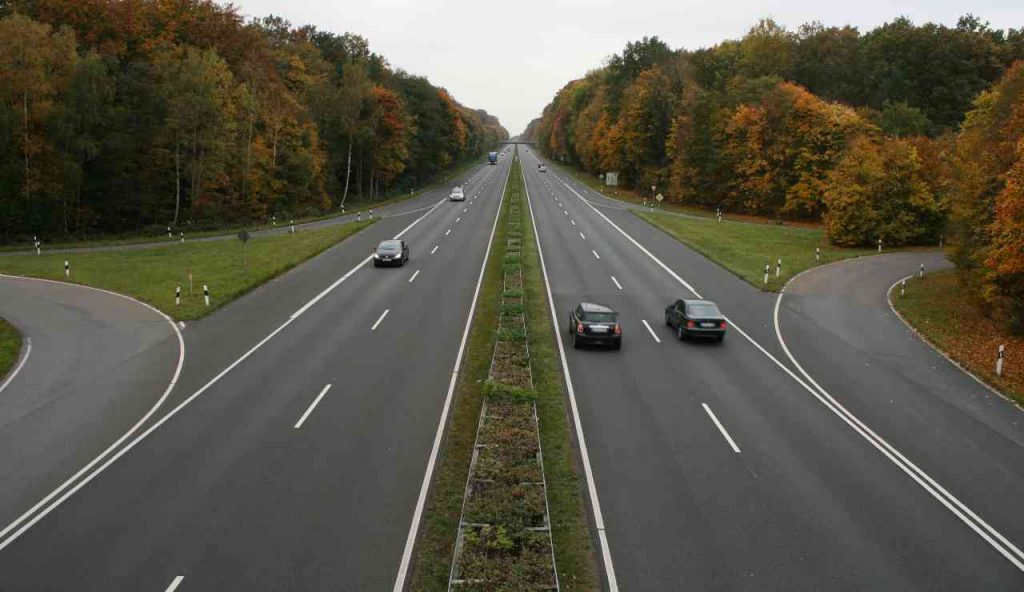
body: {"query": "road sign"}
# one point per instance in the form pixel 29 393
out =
pixel 659 197
pixel 611 179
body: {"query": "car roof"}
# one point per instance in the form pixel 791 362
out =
pixel 690 301
pixel 391 242
pixel 591 307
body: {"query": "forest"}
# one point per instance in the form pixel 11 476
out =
pixel 132 115
pixel 908 134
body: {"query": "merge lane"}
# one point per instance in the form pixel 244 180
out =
pixel 682 517
pixel 230 494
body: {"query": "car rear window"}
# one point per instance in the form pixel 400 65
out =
pixel 703 310
pixel 600 317
pixel 390 245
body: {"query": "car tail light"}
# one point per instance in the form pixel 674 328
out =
pixel 579 327
pixel 723 325
pixel 691 324
pixel 618 329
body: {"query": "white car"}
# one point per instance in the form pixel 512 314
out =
pixel 542 168
pixel 457 194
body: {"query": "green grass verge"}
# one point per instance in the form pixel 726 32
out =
pixel 440 525
pixel 949 317
pixel 10 347
pixel 151 275
pixel 744 249
pixel 574 553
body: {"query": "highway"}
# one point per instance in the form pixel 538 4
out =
pixel 720 467
pixel 822 446
pixel 257 475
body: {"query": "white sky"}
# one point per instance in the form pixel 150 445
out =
pixel 511 56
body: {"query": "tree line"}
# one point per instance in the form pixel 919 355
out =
pixel 906 134
pixel 119 115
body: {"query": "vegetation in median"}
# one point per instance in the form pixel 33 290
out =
pixel 512 363
pixel 745 249
pixel 955 321
pixel 228 267
pixel 10 347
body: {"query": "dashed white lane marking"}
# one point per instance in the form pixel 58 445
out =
pixel 721 428
pixel 564 212
pixel 414 276
pixel 312 406
pixel 434 250
pixel 573 221
pixel 595 253
pixel 617 284
pixel 649 330
pixel 457 219
pixel 583 237
pixel 175 583
pixel 447 232
pixel 382 315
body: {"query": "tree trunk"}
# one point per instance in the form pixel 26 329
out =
pixel 177 176
pixel 248 152
pixel 348 170
pixel 24 105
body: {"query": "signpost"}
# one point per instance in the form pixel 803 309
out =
pixel 611 179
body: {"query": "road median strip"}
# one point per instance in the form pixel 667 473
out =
pixel 507 506
pixel 10 348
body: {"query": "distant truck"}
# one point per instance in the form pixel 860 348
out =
pixel 492 157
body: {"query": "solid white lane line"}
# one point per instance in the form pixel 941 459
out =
pixel 721 428
pixel 382 315
pixel 651 331
pixel 583 237
pixel 21 364
pixel 617 284
pixel 414 276
pixel 410 541
pixel 954 505
pixel 588 471
pixel 595 253
pixel 175 583
pixel 449 231
pixel 156 425
pixel 434 250
pixel 313 405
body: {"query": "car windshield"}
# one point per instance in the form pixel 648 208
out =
pixel 703 310
pixel 600 317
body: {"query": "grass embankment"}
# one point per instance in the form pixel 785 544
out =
pixel 502 311
pixel 10 347
pixel 152 274
pixel 744 248
pixel 947 315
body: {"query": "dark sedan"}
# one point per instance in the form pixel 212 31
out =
pixel 594 324
pixel 696 318
pixel 391 252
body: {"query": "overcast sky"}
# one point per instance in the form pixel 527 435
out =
pixel 510 57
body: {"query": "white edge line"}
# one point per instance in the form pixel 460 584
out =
pixel 414 276
pixel 588 472
pixel 1012 553
pixel 21 363
pixel 649 330
pixel 175 583
pixel 43 513
pixel 163 398
pixel 379 319
pixel 721 428
pixel 617 284
pixel 410 541
pixel 312 406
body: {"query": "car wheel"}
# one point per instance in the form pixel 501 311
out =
pixel 575 343
pixel 668 321
pixel 680 333
pixel 617 346
pixel 720 338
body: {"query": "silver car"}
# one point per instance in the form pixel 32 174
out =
pixel 457 194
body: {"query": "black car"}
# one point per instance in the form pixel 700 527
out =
pixel 594 324
pixel 696 318
pixel 391 252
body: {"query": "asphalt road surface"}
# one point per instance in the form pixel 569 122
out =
pixel 260 479
pixel 721 467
